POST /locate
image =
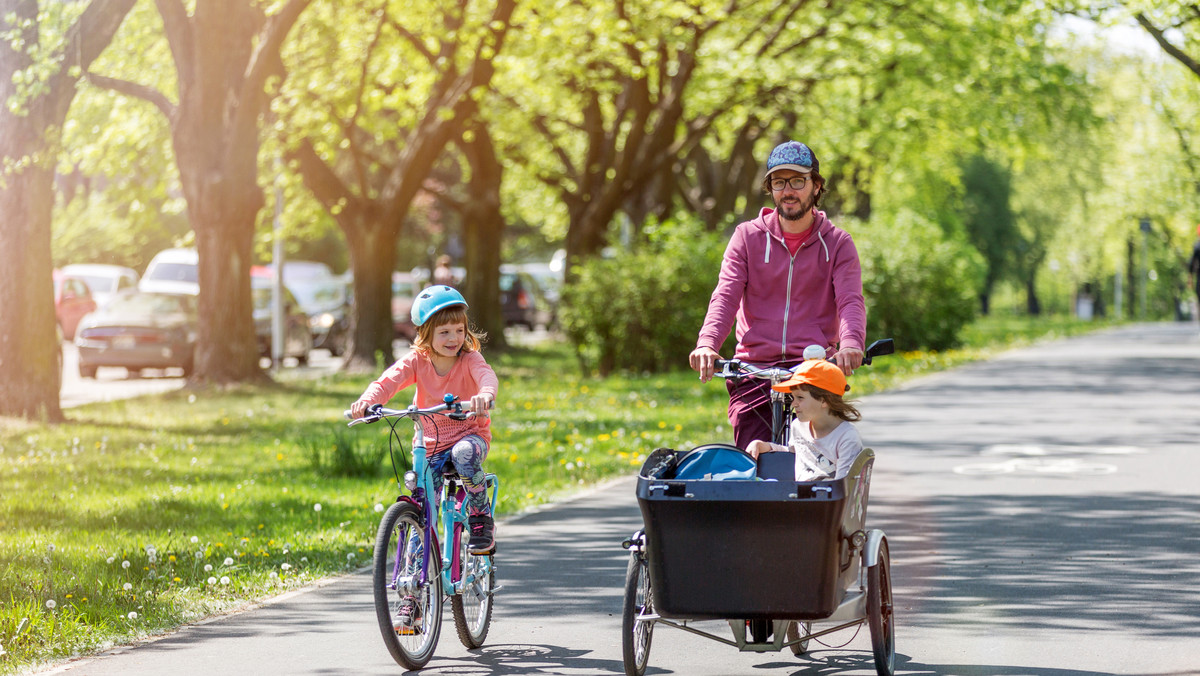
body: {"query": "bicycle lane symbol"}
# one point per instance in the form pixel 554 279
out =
pixel 1053 460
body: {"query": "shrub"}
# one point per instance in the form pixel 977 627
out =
pixel 921 288
pixel 641 310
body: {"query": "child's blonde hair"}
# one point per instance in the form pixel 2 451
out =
pixel 455 314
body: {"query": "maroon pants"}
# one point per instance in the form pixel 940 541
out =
pixel 750 409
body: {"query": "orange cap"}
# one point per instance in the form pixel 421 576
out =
pixel 818 373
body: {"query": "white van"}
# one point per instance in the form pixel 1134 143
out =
pixel 172 271
pixel 103 279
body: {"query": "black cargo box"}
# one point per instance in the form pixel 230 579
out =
pixel 747 548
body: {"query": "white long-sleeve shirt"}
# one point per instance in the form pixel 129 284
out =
pixel 827 457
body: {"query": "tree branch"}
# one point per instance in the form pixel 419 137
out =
pixel 137 91
pixel 180 37
pixel 1169 48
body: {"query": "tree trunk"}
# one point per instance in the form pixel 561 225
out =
pixel 372 247
pixel 29 140
pixel 29 375
pixel 224 52
pixel 1032 305
pixel 483 231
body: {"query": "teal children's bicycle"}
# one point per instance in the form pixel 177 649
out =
pixel 414 573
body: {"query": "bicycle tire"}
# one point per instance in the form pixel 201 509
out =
pixel 412 649
pixel 880 615
pixel 639 599
pixel 472 606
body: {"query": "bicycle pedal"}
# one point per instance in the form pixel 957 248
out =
pixel 407 631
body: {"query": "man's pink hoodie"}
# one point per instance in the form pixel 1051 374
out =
pixel 784 303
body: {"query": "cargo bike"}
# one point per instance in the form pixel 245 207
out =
pixel 784 562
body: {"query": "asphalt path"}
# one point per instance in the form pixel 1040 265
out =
pixel 1041 508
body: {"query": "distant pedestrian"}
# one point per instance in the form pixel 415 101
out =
pixel 442 274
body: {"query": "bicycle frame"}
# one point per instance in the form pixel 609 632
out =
pixel 451 513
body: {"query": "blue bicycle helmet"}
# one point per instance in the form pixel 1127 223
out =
pixel 434 298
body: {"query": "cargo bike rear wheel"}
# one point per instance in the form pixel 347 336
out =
pixel 880 618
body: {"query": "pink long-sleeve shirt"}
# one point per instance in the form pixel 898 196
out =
pixel 782 302
pixel 469 376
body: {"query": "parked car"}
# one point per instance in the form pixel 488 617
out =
pixel 522 301
pixel 139 330
pixel 403 292
pixel 297 339
pixel 323 298
pixel 104 280
pixel 72 301
pixel 172 271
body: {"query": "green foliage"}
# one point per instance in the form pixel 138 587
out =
pixel 345 454
pixel 641 310
pixel 920 286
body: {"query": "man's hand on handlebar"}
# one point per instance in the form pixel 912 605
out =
pixel 848 359
pixel 704 360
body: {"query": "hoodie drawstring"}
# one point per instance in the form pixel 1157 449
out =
pixel 767 248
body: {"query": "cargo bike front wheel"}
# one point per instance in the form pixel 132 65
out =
pixel 636 629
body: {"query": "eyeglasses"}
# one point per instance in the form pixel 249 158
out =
pixel 795 183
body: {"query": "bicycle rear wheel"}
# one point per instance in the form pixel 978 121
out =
pixel 472 607
pixel 398 553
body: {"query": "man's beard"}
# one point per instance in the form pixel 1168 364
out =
pixel 794 211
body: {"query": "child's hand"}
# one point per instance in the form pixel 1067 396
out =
pixel 359 408
pixel 481 402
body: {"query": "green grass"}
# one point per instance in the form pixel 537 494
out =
pixel 137 516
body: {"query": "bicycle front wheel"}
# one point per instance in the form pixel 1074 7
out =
pixel 472 605
pixel 635 632
pixel 409 611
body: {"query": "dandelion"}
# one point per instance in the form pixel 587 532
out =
pixel 127 586
pixel 177 579
pixel 350 556
pixel 132 615
pixel 50 548
pixel 303 559
pixel 378 508
pixel 317 507
pixel 212 580
pixel 125 564
pixel 273 575
pixel 199 555
pixel 208 567
pixel 285 566
pixel 171 558
pixel 195 539
pixel 50 604
pixel 225 579
pixel 109 560
pixel 228 561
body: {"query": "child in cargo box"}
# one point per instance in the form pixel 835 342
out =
pixel 822 437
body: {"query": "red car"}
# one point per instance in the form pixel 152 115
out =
pixel 72 300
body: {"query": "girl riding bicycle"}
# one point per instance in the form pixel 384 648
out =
pixel 445 359
pixel 822 436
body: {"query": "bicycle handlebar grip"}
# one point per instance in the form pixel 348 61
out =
pixel 348 415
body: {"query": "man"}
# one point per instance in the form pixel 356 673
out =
pixel 790 279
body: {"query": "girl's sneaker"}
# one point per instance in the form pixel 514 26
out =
pixel 482 529
pixel 408 617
